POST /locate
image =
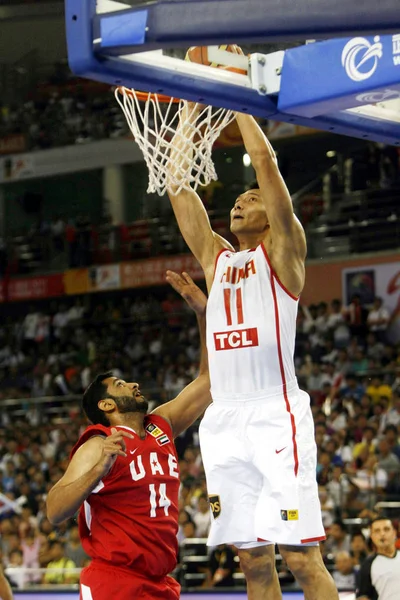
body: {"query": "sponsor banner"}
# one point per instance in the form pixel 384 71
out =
pixel 12 144
pixel 376 280
pixel 324 276
pixel 76 281
pixel 105 277
pixel 32 288
pixel 150 272
pixel 16 167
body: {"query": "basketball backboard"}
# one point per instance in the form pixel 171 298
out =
pixel 347 85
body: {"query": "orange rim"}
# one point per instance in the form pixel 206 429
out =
pixel 143 96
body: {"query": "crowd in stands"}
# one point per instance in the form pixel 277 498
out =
pixel 78 242
pixel 62 118
pixel 343 359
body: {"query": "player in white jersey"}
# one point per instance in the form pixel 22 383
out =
pixel 257 438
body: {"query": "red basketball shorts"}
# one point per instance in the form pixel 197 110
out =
pixel 103 582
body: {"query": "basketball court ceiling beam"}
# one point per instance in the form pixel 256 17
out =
pixel 347 123
pixel 189 81
pixel 163 24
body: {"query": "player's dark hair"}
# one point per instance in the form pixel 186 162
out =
pixel 390 427
pixel 340 524
pixel 95 392
pixel 358 533
pixel 56 542
pixel 253 185
pixel 381 518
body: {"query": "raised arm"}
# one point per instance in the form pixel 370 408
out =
pixel 190 404
pixel 189 210
pixel 90 463
pixel 286 233
pixel 274 192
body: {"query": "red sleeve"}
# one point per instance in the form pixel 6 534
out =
pixel 89 432
pixel 161 422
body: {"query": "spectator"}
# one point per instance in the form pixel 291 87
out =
pixel 202 518
pixel 377 390
pixel 356 316
pixel 327 506
pixel 30 553
pixel 221 567
pixel 29 327
pixel 378 319
pixel 352 388
pixel 359 549
pixel 387 460
pixel 338 489
pixel 61 569
pixel 14 570
pixel 57 228
pixel 73 548
pixel 344 574
pixel 392 439
pixel 367 443
pixel 60 320
pixel 393 416
pixel 183 518
pixel 369 480
pixel 338 539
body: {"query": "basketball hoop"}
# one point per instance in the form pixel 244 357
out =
pixel 154 119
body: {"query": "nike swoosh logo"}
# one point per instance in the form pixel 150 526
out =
pixel 281 450
pixel 133 451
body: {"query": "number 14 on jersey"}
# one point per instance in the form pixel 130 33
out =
pixel 160 500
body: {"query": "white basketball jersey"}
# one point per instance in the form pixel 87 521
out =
pixel 251 327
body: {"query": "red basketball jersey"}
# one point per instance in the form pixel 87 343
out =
pixel 131 518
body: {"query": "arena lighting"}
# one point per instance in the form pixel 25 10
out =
pixel 246 160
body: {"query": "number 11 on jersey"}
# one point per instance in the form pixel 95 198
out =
pixel 228 306
pixel 163 500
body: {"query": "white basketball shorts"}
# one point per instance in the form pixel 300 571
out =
pixel 260 462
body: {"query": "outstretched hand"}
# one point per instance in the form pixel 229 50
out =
pixel 186 287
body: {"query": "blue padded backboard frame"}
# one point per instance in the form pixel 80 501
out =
pixel 97 45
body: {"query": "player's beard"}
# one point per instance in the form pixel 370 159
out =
pixel 131 404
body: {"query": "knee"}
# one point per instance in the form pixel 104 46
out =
pixel 257 564
pixel 303 565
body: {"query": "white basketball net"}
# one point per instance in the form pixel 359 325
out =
pixel 154 124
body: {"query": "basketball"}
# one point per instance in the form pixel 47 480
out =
pixel 199 55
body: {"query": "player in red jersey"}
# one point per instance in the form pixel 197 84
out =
pixel 124 477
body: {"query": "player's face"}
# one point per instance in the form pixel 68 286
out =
pixel 127 396
pixel 383 534
pixel 248 214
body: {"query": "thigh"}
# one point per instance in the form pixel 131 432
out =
pixel 233 483
pixel 288 511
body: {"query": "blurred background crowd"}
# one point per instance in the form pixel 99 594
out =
pixel 343 360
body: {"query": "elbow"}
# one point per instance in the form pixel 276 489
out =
pixel 52 515
pixel 204 376
pixel 265 159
